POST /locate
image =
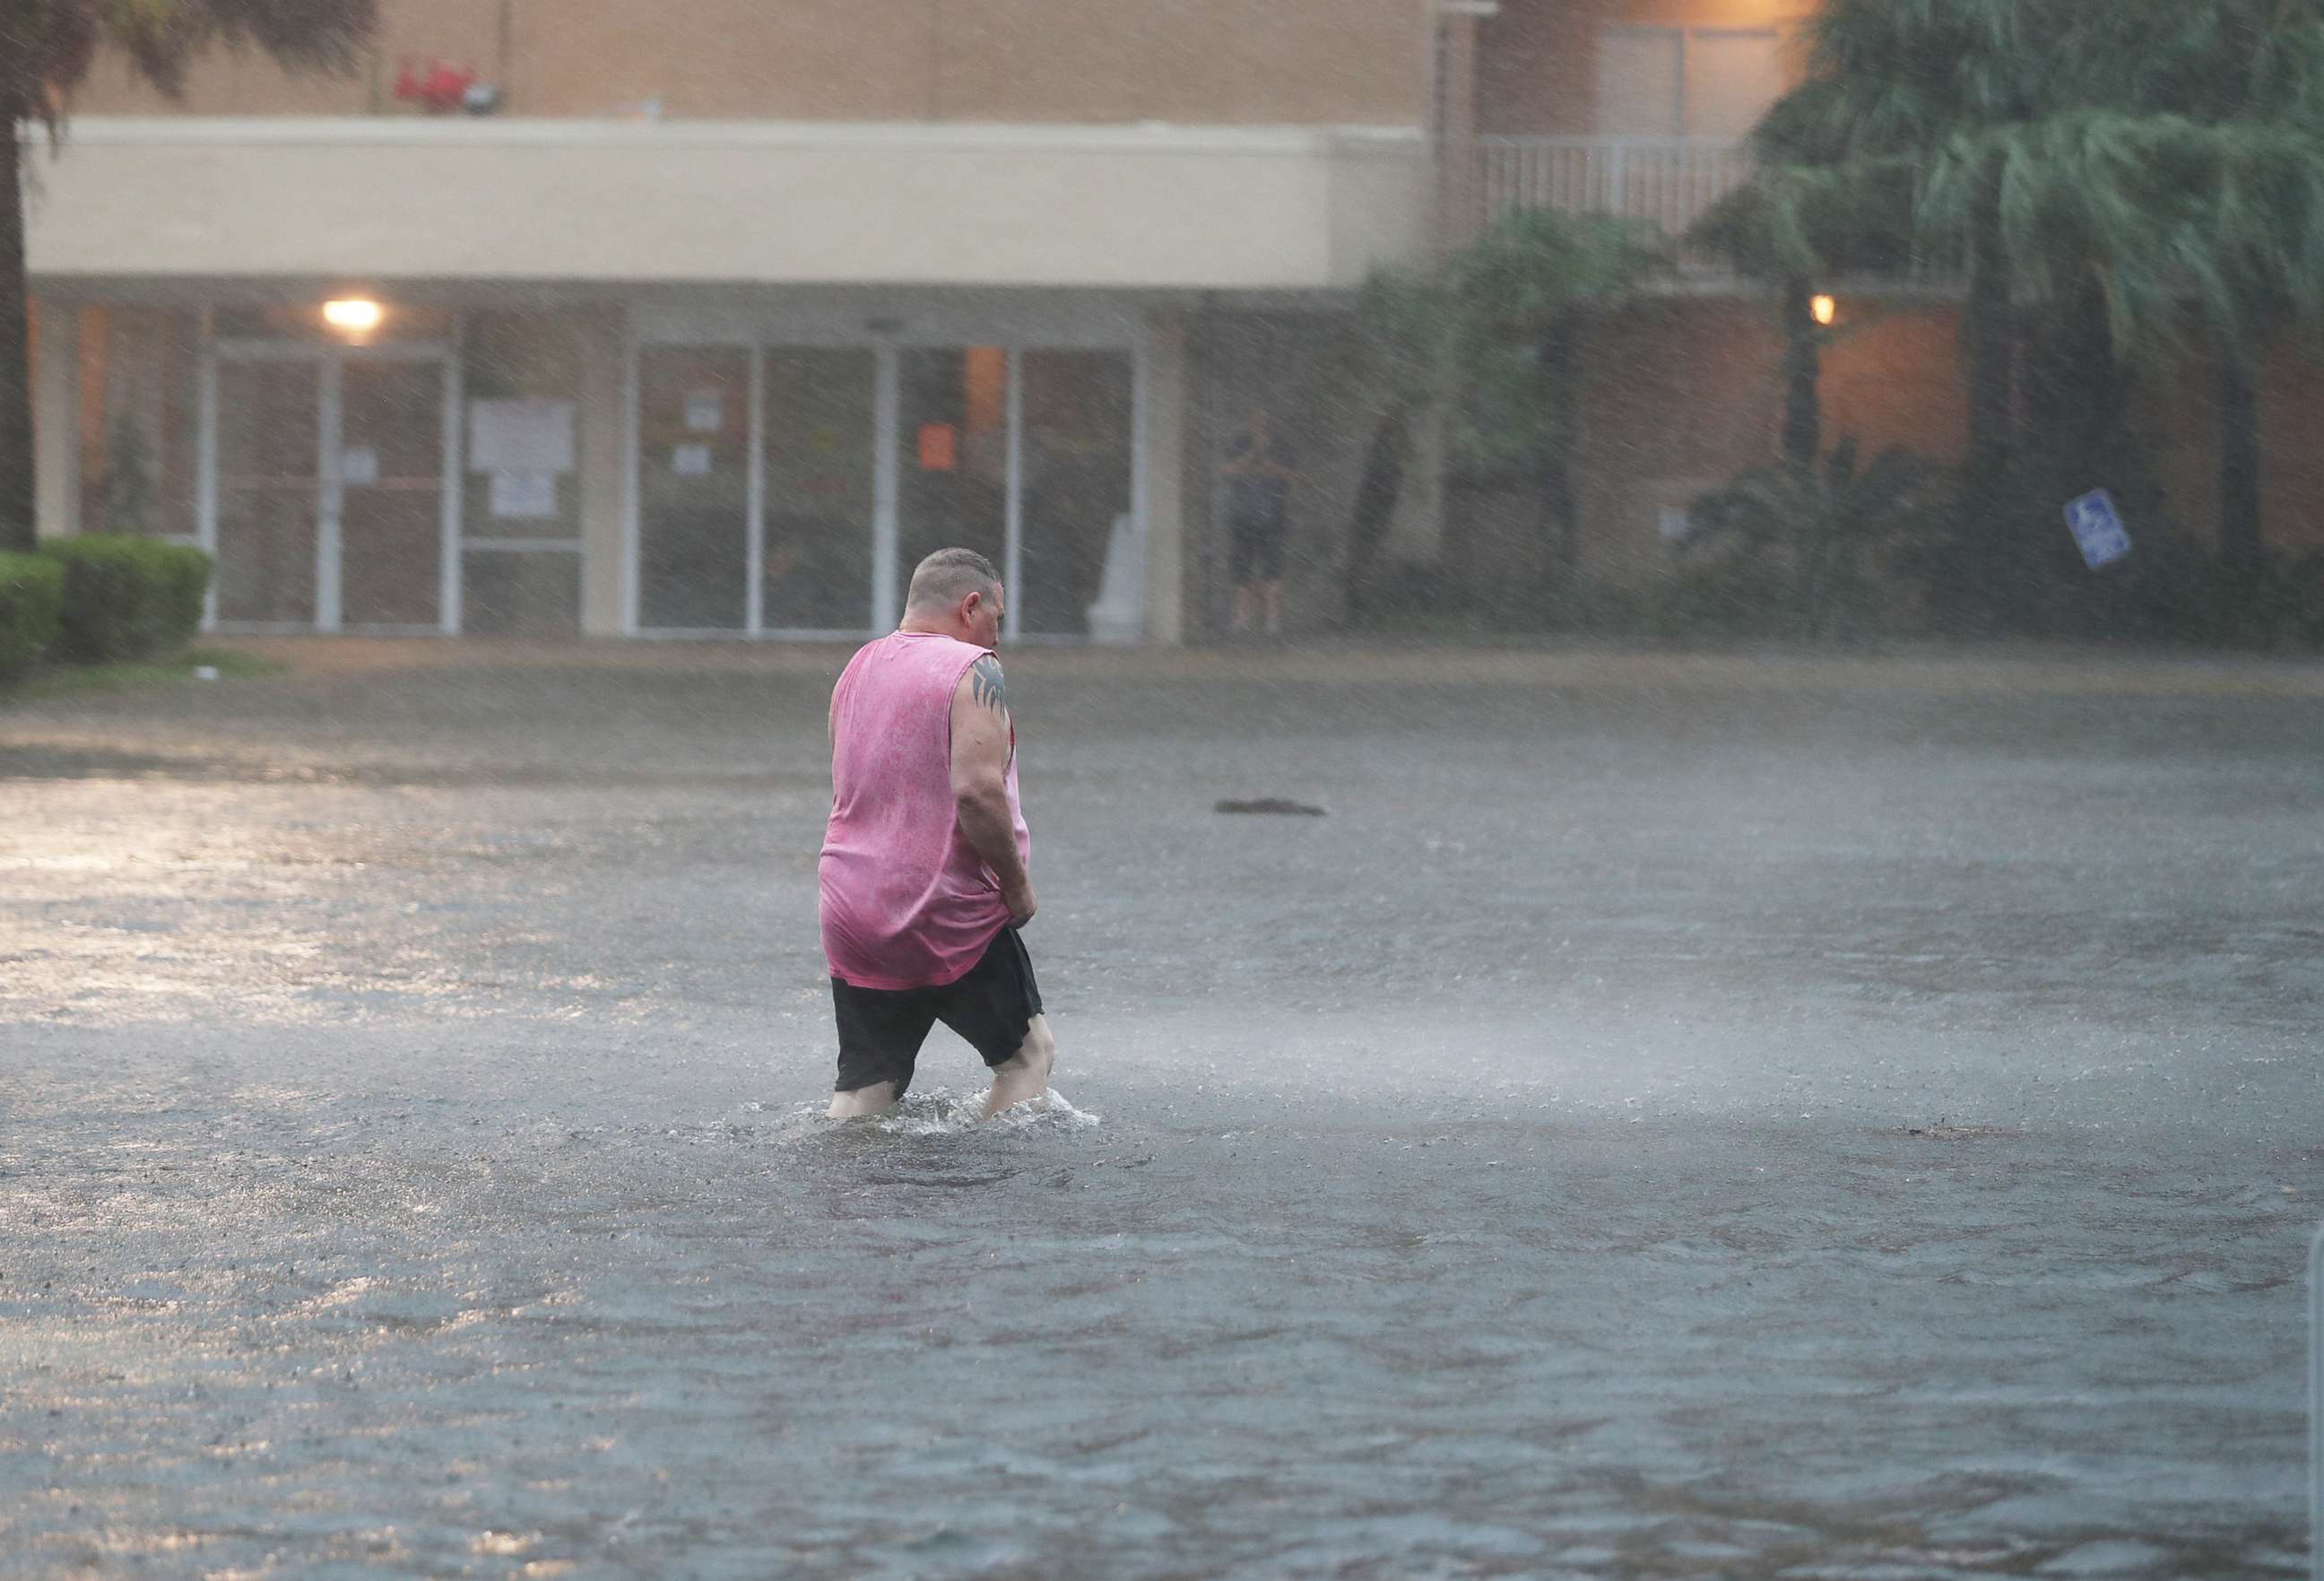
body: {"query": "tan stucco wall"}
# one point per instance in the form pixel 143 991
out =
pixel 565 201
pixel 1892 377
pixel 1690 392
pixel 1204 62
pixel 2178 415
pixel 1678 394
pixel 2292 416
pixel 1538 62
pixel 1896 381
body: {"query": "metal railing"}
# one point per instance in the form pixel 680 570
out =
pixel 1664 181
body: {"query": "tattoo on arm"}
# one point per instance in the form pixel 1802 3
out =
pixel 985 684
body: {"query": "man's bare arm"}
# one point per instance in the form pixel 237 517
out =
pixel 979 781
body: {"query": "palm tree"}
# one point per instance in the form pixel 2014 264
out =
pixel 2134 226
pixel 1523 297
pixel 2104 169
pixel 1823 526
pixel 2242 64
pixel 1794 224
pixel 1843 159
pixel 46 48
pixel 1497 331
pixel 1899 80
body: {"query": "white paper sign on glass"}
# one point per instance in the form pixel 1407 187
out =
pixel 359 465
pixel 706 411
pixel 2097 529
pixel 690 460
pixel 524 496
pixel 520 436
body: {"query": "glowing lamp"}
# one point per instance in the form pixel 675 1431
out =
pixel 1823 309
pixel 356 315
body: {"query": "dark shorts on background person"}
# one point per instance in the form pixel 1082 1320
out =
pixel 991 1005
pixel 1255 550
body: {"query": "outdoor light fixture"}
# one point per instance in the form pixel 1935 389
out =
pixel 1824 309
pixel 357 314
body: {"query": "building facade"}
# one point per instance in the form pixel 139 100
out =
pixel 720 316
pixel 713 318
pixel 1640 108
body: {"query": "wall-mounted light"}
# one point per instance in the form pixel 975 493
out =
pixel 355 315
pixel 1823 309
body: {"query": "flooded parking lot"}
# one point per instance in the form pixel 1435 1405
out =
pixel 1669 1117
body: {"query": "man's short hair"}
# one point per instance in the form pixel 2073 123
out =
pixel 949 576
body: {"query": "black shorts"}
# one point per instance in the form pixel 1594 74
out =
pixel 1255 548
pixel 881 1029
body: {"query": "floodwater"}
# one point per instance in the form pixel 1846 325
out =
pixel 1724 1117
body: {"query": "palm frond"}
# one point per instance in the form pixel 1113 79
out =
pixel 51 44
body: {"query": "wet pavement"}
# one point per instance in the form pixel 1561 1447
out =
pixel 1737 1117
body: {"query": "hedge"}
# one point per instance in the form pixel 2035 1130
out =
pixel 32 596
pixel 128 597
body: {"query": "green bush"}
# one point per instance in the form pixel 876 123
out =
pixel 1577 607
pixel 1814 539
pixel 2191 594
pixel 128 597
pixel 1733 598
pixel 32 596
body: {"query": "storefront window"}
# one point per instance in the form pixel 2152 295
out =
pixel 269 490
pixel 1061 500
pixel 952 442
pixel 692 488
pixel 140 424
pixel 390 492
pixel 819 425
pixel 521 485
pixel 1079 540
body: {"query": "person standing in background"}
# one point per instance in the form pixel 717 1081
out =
pixel 1258 475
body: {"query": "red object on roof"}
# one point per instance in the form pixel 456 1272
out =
pixel 441 87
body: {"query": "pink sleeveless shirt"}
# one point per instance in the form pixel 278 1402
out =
pixel 907 901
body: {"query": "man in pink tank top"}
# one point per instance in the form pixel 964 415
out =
pixel 924 881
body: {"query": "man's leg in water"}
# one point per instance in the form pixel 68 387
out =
pixel 870 1100
pixel 1024 1075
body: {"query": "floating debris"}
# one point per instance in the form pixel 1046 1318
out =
pixel 1272 804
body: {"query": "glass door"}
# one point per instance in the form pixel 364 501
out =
pixel 324 502
pixel 267 492
pixel 1080 560
pixel 694 415
pixel 790 490
pixel 390 492
pixel 951 462
pixel 817 412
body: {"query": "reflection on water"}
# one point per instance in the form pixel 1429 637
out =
pixel 1768 1136
pixel 398 1335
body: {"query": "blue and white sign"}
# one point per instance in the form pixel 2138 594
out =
pixel 2097 529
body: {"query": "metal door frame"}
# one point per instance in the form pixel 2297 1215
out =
pixel 331 362
pixel 887 460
